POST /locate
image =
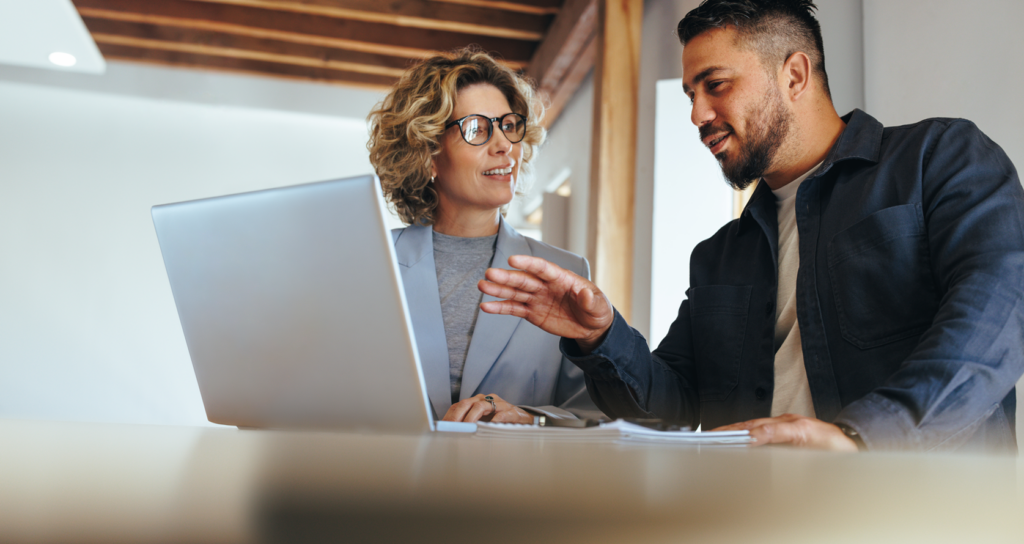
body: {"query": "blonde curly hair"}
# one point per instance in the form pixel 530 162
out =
pixel 406 127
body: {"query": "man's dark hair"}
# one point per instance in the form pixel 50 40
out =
pixel 774 28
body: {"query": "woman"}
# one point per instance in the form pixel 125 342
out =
pixel 449 143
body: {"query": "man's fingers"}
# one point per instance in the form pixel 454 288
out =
pixel 515 279
pixel 505 307
pixel 795 430
pixel 780 432
pixel 536 266
pixel 764 434
pixel 764 431
pixel 500 291
pixel 584 298
pixel 746 425
pixel 733 427
pixel 752 423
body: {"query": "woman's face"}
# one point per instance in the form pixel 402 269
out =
pixel 476 178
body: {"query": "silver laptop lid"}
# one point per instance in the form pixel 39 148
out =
pixel 292 307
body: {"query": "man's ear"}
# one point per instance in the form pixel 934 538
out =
pixel 796 75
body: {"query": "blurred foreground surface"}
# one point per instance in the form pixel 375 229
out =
pixel 78 482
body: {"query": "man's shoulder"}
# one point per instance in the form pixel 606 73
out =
pixel 930 128
pixel 941 141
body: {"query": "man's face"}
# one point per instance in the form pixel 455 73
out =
pixel 742 116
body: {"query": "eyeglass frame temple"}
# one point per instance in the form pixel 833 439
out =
pixel 490 127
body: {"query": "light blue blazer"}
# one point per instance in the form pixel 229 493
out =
pixel 507 355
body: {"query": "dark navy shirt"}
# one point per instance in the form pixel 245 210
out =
pixel 910 299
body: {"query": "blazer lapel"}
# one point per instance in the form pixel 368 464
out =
pixel 415 251
pixel 492 332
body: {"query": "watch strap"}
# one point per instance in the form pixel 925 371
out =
pixel 852 434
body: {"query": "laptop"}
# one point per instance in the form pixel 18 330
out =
pixel 292 307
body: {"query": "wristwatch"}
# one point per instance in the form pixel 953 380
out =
pixel 852 434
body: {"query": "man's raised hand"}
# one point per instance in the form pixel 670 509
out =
pixel 551 298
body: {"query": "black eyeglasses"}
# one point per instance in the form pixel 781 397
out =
pixel 477 129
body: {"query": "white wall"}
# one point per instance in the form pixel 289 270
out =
pixel 88 328
pixel 205 87
pixel 842 30
pixel 661 59
pixel 567 150
pixel 947 58
pixel 691 202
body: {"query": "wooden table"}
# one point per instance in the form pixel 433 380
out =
pixel 79 482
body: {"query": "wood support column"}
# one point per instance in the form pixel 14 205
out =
pixel 613 152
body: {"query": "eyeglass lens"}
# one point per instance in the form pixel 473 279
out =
pixel 476 129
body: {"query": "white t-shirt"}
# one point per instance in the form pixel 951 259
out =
pixel 792 391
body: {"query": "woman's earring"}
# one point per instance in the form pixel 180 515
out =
pixel 432 179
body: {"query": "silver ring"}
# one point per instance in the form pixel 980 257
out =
pixel 490 399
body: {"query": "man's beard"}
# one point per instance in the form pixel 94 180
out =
pixel 769 126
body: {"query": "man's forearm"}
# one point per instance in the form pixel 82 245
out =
pixel 626 380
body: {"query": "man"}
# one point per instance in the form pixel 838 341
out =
pixel 870 295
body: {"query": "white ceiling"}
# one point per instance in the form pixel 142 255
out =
pixel 30 30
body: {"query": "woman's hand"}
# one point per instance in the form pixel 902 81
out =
pixel 480 408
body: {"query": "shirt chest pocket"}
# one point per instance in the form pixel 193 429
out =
pixel 718 319
pixel 881 277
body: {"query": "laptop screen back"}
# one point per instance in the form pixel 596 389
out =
pixel 292 307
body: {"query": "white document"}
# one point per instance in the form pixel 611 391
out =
pixel 617 431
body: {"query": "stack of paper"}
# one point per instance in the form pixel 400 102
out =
pixel 618 431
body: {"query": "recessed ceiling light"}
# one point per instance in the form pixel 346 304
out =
pixel 63 59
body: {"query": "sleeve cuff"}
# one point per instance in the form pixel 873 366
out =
pixel 617 344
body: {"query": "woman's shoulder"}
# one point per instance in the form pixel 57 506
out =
pixel 412 244
pixel 395 234
pixel 412 232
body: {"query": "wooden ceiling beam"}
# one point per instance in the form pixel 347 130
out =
pixel 242 30
pixel 465 18
pixel 537 7
pixel 566 55
pixel 205 42
pixel 558 97
pixel 247 66
pixel 362 36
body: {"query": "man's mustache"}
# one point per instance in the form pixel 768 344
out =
pixel 709 130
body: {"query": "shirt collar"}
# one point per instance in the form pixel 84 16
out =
pixel 789 190
pixel 860 140
pixel 762 198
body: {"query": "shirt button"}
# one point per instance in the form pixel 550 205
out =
pixel 769 308
pixel 760 393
